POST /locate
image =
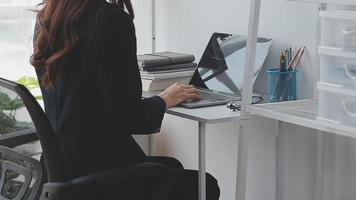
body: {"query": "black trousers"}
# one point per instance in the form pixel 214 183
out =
pixel 186 186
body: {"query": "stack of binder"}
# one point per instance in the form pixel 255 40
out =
pixel 161 70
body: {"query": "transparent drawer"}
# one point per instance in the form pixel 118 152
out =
pixel 341 7
pixel 338 68
pixel 337 105
pixel 343 2
pixel 338 29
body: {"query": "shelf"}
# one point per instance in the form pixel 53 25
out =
pixel 347 2
pixel 302 113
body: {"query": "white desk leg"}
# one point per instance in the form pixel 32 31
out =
pixel 242 162
pixel 319 190
pixel 202 169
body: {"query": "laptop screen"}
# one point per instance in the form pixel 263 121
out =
pixel 221 67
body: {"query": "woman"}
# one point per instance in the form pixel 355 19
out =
pixel 85 58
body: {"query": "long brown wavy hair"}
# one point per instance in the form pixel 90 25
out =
pixel 56 36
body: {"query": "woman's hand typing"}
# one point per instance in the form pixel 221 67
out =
pixel 179 93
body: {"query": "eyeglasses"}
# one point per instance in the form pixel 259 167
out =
pixel 236 104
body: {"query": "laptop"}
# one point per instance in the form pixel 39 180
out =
pixel 220 72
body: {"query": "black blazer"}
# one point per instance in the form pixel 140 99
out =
pixel 97 105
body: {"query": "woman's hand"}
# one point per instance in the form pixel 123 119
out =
pixel 178 93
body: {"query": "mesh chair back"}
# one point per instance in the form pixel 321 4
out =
pixel 21 175
pixel 16 123
pixel 20 168
pixel 28 117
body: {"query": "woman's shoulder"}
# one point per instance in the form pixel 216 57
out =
pixel 111 13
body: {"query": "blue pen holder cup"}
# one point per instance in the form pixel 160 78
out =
pixel 282 86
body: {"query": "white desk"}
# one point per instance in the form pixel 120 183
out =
pixel 208 115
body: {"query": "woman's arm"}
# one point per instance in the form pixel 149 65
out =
pixel 118 77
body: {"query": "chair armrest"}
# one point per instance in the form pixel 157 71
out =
pixel 123 183
pixel 18 138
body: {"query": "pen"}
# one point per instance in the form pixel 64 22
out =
pixel 286 53
pixel 290 66
pixel 282 62
pixel 297 59
pixel 290 54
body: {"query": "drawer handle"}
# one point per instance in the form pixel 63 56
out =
pixel 349 73
pixel 347 110
pixel 349 31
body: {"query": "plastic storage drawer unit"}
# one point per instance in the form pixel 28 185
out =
pixel 345 2
pixel 338 68
pixel 337 105
pixel 338 28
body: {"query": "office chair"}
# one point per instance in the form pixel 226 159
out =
pixel 20 150
pixel 112 184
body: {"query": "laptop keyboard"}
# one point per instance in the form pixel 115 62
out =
pixel 213 97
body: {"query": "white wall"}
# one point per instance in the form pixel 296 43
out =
pixel 186 26
pixel 143 25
